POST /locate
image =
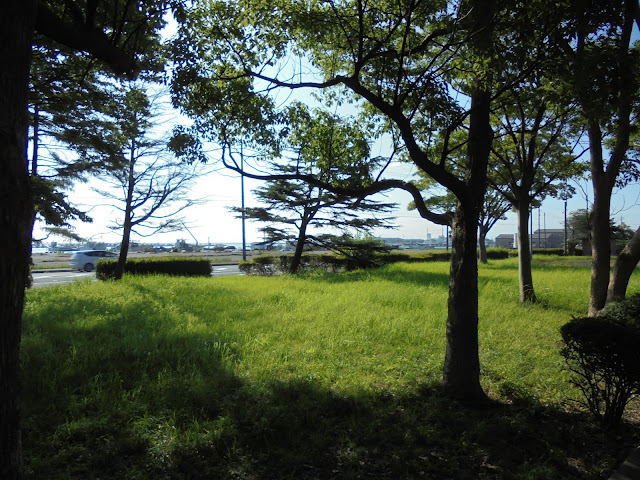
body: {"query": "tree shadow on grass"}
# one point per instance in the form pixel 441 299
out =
pixel 181 410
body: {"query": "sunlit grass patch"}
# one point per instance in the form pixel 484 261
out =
pixel 298 377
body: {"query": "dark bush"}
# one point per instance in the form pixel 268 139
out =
pixel 437 257
pixel 548 251
pixel 169 266
pixel 497 253
pixel 604 356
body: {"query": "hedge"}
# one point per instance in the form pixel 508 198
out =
pixel 498 253
pixel 189 267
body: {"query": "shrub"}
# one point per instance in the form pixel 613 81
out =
pixel 497 253
pixel 437 257
pixel 604 357
pixel 170 266
pixel 548 251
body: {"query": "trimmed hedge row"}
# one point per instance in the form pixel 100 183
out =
pixel 189 267
pixel 498 253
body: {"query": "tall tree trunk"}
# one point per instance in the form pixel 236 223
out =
pixel 461 377
pixel 127 224
pixel 525 277
pixel 623 268
pixel 600 227
pixel 482 241
pixel 16 219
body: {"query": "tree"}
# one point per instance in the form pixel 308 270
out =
pixel 602 71
pixel 580 224
pixel 81 27
pixel 494 209
pixel 152 185
pixel 623 268
pixel 401 62
pixel 533 156
pixel 66 97
pixel 333 150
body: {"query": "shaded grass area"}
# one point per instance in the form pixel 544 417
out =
pixel 314 376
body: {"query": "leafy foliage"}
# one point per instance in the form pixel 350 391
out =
pixel 603 355
pixel 334 152
pixel 579 224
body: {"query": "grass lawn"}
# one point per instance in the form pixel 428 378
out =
pixel 311 376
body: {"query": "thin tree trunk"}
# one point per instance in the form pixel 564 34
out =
pixel 482 241
pixel 124 249
pixel 16 219
pixel 297 254
pixel 127 224
pixel 525 277
pixel 600 227
pixel 623 268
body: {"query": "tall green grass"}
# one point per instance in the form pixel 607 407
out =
pixel 311 376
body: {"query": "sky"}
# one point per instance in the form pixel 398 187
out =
pixel 212 222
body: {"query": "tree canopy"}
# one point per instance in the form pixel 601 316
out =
pixel 335 151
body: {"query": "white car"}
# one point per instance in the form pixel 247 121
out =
pixel 86 259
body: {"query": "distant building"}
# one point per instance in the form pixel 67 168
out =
pixel 549 238
pixel 506 240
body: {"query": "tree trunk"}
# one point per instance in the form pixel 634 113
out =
pixel 127 224
pixel 461 376
pixel 527 292
pixel 600 227
pixel 297 255
pixel 600 257
pixel 461 379
pixel 124 249
pixel 482 241
pixel 16 219
pixel 623 268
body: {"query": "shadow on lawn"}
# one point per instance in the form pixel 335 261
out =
pixel 167 414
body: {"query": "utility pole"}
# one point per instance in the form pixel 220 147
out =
pixel 244 238
pixel 531 230
pixel 447 238
pixel 565 229
pixel 539 242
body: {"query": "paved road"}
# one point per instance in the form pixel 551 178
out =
pixel 48 279
pixel 226 270
pixel 57 277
